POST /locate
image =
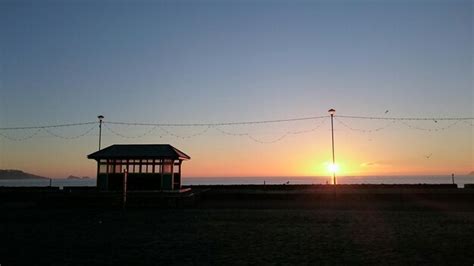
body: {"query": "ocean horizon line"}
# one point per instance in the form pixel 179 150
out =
pixel 460 180
pixel 279 177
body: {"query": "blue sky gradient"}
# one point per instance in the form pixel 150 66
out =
pixel 210 61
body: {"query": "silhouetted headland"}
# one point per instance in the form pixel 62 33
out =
pixel 12 174
pixel 72 177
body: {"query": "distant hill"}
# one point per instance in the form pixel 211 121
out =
pixel 77 178
pixel 18 174
pixel 471 173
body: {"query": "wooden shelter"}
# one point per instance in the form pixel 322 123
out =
pixel 149 167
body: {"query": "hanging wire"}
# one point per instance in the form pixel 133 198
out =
pixel 430 129
pixel 274 140
pixel 230 133
pixel 162 126
pixel 365 130
pixel 268 141
pixel 219 123
pixel 245 122
pixel 22 139
pixel 406 118
pixel 184 137
pixel 49 126
pixel 125 136
pixel 69 138
pixel 251 137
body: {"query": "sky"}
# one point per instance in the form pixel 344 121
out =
pixel 226 61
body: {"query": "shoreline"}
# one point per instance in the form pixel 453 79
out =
pixel 256 180
pixel 400 197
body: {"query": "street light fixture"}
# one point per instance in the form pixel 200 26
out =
pixel 100 117
pixel 332 112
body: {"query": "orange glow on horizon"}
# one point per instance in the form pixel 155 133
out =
pixel 386 153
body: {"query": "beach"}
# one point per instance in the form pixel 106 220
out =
pixel 235 237
pixel 233 226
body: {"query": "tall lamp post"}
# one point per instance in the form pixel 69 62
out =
pixel 331 112
pixel 100 128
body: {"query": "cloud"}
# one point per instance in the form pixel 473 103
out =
pixel 375 164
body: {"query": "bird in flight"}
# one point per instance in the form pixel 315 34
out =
pixel 428 156
pixel 386 112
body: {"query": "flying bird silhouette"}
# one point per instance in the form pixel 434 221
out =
pixel 386 111
pixel 428 156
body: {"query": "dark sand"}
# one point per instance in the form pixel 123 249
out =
pixel 388 227
pixel 235 236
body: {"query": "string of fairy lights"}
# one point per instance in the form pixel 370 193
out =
pixel 229 128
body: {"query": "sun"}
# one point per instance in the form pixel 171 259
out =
pixel 333 168
pixel 325 168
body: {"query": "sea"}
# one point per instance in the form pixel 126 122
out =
pixel 460 180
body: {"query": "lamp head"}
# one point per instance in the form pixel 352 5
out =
pixel 332 111
pixel 100 117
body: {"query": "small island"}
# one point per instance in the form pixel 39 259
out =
pixel 77 177
pixel 12 174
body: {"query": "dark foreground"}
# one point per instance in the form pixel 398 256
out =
pixel 406 228
pixel 237 236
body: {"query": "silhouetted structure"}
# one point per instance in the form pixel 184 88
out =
pixel 149 166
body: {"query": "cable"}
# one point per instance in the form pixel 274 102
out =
pixel 244 122
pixel 38 130
pixel 161 126
pixel 127 137
pixel 269 141
pixel 274 140
pixel 73 137
pixel 151 130
pixel 365 130
pixel 22 139
pixel 429 129
pixel 185 137
pixel 406 118
pixel 50 126
pixel 219 123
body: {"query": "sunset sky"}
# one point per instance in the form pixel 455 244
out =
pixel 229 61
